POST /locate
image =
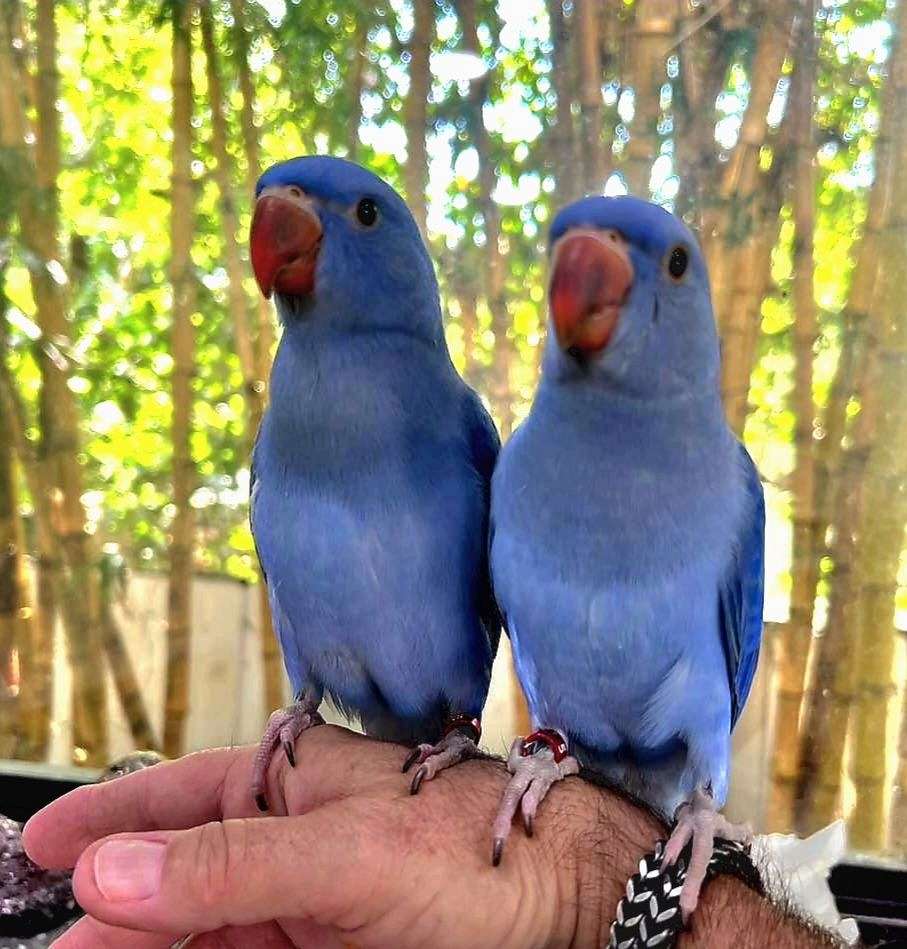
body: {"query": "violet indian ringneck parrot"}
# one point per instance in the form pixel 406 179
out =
pixel 627 533
pixel 371 474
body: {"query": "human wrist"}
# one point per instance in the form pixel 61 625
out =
pixel 731 914
pixel 604 836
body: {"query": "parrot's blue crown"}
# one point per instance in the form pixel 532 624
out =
pixel 648 226
pixel 334 181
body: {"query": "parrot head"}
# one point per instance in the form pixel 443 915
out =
pixel 333 242
pixel 629 298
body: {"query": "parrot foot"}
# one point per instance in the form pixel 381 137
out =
pixel 460 742
pixel 536 762
pixel 700 821
pixel 284 727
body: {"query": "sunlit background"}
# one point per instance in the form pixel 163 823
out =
pixel 134 350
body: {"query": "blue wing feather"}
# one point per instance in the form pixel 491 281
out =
pixel 281 622
pixel 742 593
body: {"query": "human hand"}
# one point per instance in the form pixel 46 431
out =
pixel 349 857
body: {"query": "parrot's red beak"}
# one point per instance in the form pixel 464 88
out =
pixel 284 241
pixel 591 277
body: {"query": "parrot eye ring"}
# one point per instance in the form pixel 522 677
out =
pixel 677 262
pixel 367 212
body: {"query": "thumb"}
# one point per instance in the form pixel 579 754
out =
pixel 234 873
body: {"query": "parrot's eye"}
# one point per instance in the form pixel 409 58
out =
pixel 367 212
pixel 678 261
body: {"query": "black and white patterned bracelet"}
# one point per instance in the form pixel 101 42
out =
pixel 648 914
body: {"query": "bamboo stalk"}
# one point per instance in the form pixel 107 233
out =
pixel 654 32
pixel 36 658
pixel 827 712
pixel 415 172
pixel 881 533
pixel 495 286
pixel 885 513
pixel 15 611
pixel 704 58
pixel 354 80
pixel 852 360
pixel 58 450
pixel 126 681
pixel 237 301
pixel 243 336
pixel 495 264
pixel 794 644
pixel 897 822
pixel 729 219
pixel 20 626
pixel 182 531
pixel 563 154
pixel 752 269
pixel 596 165
pixel 263 339
pixel 469 320
pixel 265 324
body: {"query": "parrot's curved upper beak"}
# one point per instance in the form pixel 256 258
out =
pixel 284 241
pixel 591 276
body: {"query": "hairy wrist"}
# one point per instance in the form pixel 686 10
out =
pixel 603 835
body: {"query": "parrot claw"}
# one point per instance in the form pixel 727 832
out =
pixel 533 776
pixel 284 727
pixel 418 778
pixel 699 820
pixel 497 851
pixel 411 759
pixel 290 753
pixel 453 748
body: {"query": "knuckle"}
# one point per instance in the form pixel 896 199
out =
pixel 218 857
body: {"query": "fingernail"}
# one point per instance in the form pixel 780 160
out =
pixel 129 869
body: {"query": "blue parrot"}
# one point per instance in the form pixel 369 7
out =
pixel 627 533
pixel 371 474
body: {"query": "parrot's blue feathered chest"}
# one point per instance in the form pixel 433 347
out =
pixel 617 632
pixel 368 513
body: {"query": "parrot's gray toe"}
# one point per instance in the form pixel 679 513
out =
pixel 535 768
pixel 284 727
pixel 453 748
pixel 699 821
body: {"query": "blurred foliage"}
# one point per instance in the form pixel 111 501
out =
pixel 115 111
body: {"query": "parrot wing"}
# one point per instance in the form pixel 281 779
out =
pixel 741 595
pixel 283 629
